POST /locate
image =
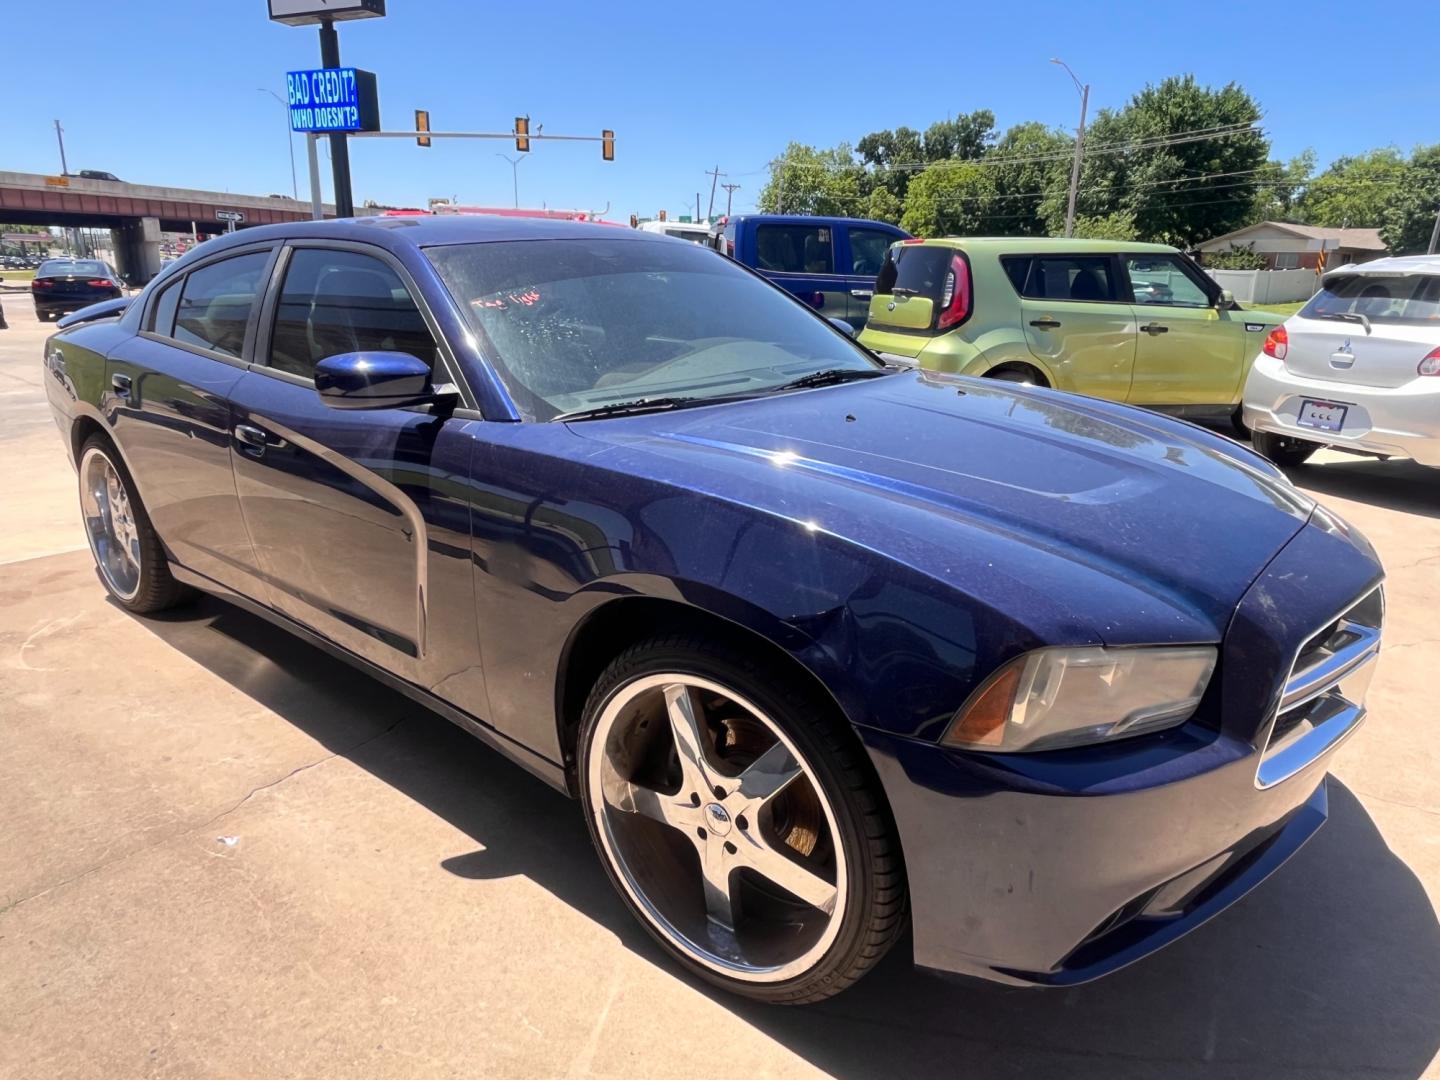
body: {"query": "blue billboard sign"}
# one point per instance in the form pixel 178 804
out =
pixel 333 99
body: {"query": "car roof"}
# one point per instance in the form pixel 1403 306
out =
pixel 1019 245
pixel 431 230
pixel 1402 264
pixel 807 219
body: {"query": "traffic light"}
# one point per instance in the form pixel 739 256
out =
pixel 634 221
pixel 607 144
pixel 522 134
pixel 662 215
pixel 422 123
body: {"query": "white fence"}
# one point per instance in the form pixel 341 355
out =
pixel 1268 286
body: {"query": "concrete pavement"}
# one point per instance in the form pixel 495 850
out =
pixel 224 854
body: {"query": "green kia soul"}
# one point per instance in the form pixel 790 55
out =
pixel 1139 323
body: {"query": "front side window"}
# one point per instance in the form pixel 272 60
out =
pixel 579 324
pixel 1069 277
pixel 867 251
pixel 216 300
pixel 1408 299
pixel 336 302
pixel 1161 279
pixel 795 249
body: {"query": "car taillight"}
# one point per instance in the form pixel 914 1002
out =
pixel 955 295
pixel 914 240
pixel 101 283
pixel 40 283
pixel 1431 364
pixel 1277 344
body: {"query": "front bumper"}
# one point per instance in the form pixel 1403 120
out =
pixel 1056 868
pixel 1401 421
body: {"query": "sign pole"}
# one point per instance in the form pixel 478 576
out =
pixel 317 209
pixel 339 147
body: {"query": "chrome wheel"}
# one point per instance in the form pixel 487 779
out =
pixel 716 827
pixel 110 524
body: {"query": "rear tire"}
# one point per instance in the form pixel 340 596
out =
pixel 1283 450
pixel 128 553
pixel 783 882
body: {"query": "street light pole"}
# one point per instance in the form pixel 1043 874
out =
pixel 289 140
pixel 1084 91
pixel 514 174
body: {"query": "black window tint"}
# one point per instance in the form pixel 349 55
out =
pixel 867 251
pixel 1017 270
pixel 914 270
pixel 1069 277
pixel 162 315
pixel 216 301
pixel 336 302
pixel 795 249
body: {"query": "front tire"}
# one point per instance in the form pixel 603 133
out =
pixel 128 553
pixel 1283 450
pixel 739 820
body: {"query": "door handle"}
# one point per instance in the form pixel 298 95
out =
pixel 862 294
pixel 1154 328
pixel 1046 323
pixel 120 384
pixel 251 438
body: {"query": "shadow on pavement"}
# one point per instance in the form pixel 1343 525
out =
pixel 1330 969
pixel 1394 485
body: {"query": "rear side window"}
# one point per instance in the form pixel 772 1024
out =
pixel 795 249
pixel 215 305
pixel 1408 299
pixel 1069 277
pixel 162 314
pixel 336 302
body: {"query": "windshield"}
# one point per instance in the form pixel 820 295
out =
pixel 580 324
pixel 59 267
pixel 1381 298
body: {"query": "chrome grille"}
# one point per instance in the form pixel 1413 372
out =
pixel 1324 696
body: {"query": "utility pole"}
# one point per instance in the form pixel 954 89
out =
pixel 730 190
pixel 714 175
pixel 697 206
pixel 1084 90
pixel 1434 235
pixel 289 140
pixel 514 174
pixel 339 146
pixel 60 137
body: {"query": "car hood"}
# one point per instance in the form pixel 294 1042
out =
pixel 962 476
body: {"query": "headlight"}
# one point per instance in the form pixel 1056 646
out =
pixel 1052 698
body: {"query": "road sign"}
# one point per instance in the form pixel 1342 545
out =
pixel 333 99
pixel 236 216
pixel 309 12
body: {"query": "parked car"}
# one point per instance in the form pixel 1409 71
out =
pixel 1139 323
pixel 98 174
pixel 64 285
pixel 1357 368
pixel 695 231
pixel 816 642
pixel 828 262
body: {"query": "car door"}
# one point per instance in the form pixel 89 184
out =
pixel 1187 352
pixel 864 252
pixel 1075 322
pixel 169 386
pixel 359 517
pixel 801 258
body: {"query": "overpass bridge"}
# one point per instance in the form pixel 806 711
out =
pixel 136 214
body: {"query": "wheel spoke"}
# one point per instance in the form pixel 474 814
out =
pixel 682 705
pixel 791 876
pixel 635 798
pixel 720 902
pixel 769 774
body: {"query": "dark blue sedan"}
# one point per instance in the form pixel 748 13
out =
pixel 822 647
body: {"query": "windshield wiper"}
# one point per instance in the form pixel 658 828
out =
pixel 900 290
pixel 626 408
pixel 1348 316
pixel 830 376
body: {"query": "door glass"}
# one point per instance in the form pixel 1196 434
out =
pixel 336 302
pixel 1069 277
pixel 795 249
pixel 162 315
pixel 1161 279
pixel 867 251
pixel 216 303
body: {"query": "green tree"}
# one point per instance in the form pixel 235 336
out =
pixel 804 180
pixel 1282 185
pixel 1117 226
pixel 1030 167
pixel 896 157
pixel 950 198
pixel 1237 258
pixel 1355 192
pixel 1409 217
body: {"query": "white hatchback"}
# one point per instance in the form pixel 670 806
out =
pixel 1358 368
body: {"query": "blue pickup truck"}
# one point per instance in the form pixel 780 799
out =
pixel 829 262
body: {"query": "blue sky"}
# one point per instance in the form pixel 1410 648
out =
pixel 174 100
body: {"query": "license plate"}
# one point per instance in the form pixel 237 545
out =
pixel 1322 415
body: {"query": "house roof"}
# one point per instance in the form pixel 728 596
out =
pixel 1352 239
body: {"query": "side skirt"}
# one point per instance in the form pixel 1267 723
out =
pixel 543 767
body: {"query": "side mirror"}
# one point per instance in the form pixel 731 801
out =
pixel 1226 301
pixel 841 325
pixel 375 380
